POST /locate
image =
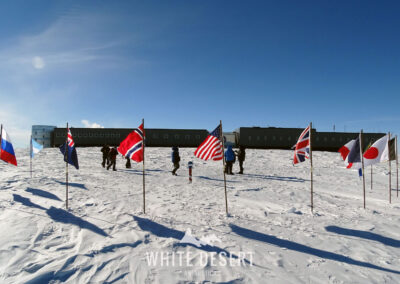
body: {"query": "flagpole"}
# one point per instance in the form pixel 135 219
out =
pixel 144 190
pixel 66 169
pixel 31 155
pixel 371 177
pixel 223 163
pixel 390 171
pixel 311 171
pixel 362 165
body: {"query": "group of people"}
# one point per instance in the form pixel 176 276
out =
pixel 110 158
pixel 230 158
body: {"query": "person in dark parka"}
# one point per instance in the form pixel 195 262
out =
pixel 229 160
pixel 241 155
pixel 105 150
pixel 128 163
pixel 175 159
pixel 112 156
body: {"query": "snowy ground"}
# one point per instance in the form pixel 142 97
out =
pixel 269 237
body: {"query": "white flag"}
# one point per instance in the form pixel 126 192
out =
pixel 378 152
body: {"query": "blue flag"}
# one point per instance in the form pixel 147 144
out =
pixel 71 157
pixel 35 147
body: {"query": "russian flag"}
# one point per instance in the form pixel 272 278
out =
pixel 7 153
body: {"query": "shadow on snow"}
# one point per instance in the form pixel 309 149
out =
pixel 27 202
pixel 42 193
pixel 165 232
pixel 62 216
pixel 293 179
pixel 112 248
pixel 364 235
pixel 216 179
pixel 74 184
pixel 303 248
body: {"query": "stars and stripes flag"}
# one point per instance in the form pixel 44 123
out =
pixel 302 149
pixel 132 146
pixel 211 148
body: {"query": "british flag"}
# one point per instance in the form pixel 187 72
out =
pixel 302 150
pixel 132 146
pixel 71 142
pixel 211 148
pixel 69 152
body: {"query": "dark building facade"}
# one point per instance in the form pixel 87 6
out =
pixel 89 137
pixel 249 137
pixel 286 138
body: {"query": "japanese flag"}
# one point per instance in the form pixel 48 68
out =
pixel 378 152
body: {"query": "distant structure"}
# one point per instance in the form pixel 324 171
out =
pixel 43 134
pixel 248 137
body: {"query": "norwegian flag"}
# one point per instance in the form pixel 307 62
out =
pixel 302 150
pixel 211 148
pixel 132 146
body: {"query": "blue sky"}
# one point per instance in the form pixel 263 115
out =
pixel 189 64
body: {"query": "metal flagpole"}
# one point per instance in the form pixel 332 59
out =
pixel 224 165
pixel 362 164
pixel 311 171
pixel 397 168
pixel 371 177
pixel 144 190
pixel 390 171
pixel 66 169
pixel 31 155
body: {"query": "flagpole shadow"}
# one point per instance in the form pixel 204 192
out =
pixel 278 178
pixel 215 179
pixel 272 240
pixel 74 184
pixel 165 232
pixel 364 235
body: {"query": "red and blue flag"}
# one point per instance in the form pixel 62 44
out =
pixel 132 146
pixel 211 148
pixel 70 156
pixel 7 153
pixel 302 150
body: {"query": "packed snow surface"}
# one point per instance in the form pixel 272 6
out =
pixel 185 236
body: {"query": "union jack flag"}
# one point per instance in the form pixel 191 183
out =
pixel 302 150
pixel 69 152
pixel 211 148
pixel 132 146
pixel 71 142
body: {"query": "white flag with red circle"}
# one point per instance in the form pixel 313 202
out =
pixel 378 152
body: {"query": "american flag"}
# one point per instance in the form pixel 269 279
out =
pixel 132 146
pixel 211 148
pixel 71 142
pixel 302 147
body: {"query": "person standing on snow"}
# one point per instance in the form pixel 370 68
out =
pixel 112 156
pixel 105 150
pixel 229 159
pixel 175 159
pixel 241 155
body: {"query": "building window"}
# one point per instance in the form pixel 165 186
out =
pixel 176 136
pixel 187 137
pixel 166 136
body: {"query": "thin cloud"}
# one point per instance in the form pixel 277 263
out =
pixel 89 124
